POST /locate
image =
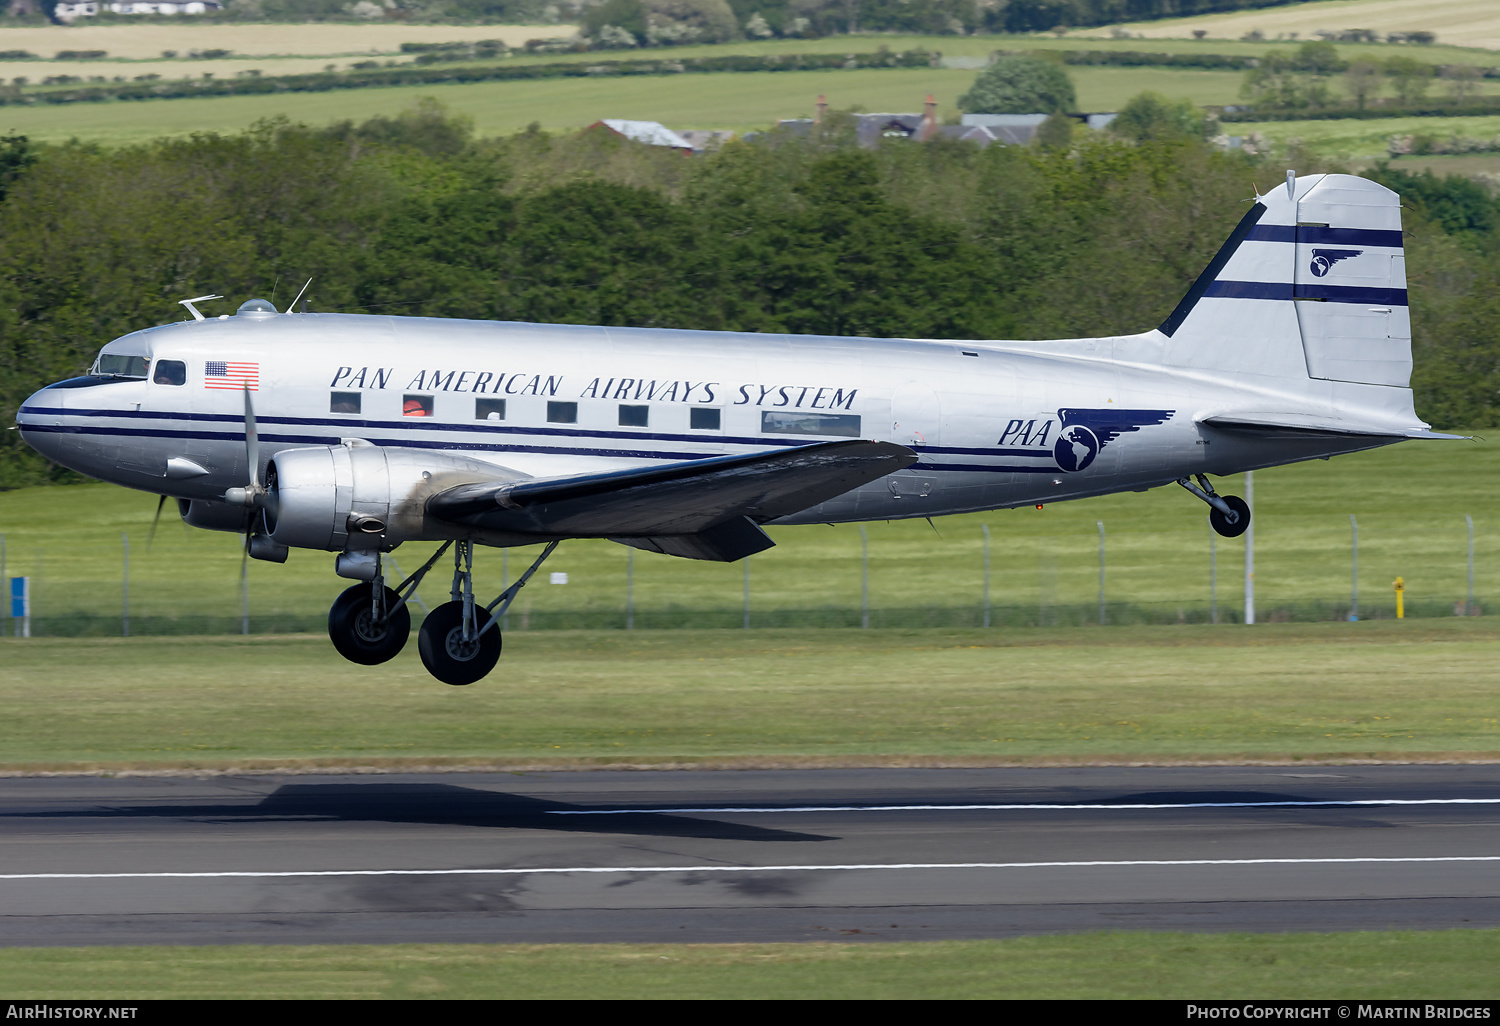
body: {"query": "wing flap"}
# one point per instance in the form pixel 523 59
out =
pixel 683 498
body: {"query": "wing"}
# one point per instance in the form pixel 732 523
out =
pixel 702 509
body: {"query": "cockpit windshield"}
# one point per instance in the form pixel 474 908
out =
pixel 121 365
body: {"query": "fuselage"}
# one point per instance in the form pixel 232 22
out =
pixel 995 424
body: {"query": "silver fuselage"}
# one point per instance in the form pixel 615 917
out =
pixel 996 424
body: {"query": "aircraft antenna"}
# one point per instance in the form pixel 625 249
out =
pixel 193 309
pixel 299 296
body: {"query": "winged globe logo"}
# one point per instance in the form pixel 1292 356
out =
pixel 1324 259
pixel 1076 448
pixel 1085 432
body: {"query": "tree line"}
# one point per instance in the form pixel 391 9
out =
pixel 413 215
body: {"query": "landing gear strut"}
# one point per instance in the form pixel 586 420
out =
pixel 369 623
pixel 459 641
pixel 1229 515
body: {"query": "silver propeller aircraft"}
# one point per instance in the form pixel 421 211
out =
pixel 354 434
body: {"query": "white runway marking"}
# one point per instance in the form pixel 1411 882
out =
pixel 1026 807
pixel 739 869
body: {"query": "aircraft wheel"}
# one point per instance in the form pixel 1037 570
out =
pixel 445 653
pixel 356 635
pixel 1234 525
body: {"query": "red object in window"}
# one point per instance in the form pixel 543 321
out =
pixel 413 408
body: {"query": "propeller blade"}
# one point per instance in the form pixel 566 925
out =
pixel 252 443
pixel 151 535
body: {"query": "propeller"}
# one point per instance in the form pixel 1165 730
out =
pixel 254 493
pixel 151 535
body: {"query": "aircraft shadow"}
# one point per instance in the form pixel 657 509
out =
pixel 440 805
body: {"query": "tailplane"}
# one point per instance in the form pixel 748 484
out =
pixel 1311 284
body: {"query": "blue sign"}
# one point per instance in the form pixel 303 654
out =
pixel 20 597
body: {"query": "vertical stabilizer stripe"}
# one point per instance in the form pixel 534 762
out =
pixel 1312 234
pixel 1240 233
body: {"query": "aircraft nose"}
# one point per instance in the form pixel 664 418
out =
pixel 40 420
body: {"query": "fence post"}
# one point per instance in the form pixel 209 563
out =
pixel 630 589
pixel 747 593
pixel 864 582
pixel 1250 549
pixel 1213 575
pixel 245 595
pixel 986 529
pixel 504 584
pixel 125 589
pixel 1469 605
pixel 1101 571
pixel 5 583
pixel 1353 568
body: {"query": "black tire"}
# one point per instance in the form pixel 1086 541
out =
pixel 355 634
pixel 440 642
pixel 1230 526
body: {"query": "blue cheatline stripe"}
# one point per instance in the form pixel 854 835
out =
pixel 1308 234
pixel 1282 290
pixel 340 428
pixel 410 443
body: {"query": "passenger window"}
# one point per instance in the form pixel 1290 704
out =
pixel 841 424
pixel 562 413
pixel 416 406
pixel 635 416
pixel 170 372
pixel 700 419
pixel 343 402
pixel 489 409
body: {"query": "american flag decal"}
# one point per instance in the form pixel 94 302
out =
pixel 230 374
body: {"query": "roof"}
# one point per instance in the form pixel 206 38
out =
pixel 652 133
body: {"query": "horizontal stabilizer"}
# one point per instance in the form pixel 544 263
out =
pixel 1312 424
pixel 700 498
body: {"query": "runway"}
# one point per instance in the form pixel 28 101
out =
pixel 745 855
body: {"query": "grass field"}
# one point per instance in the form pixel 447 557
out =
pixel 1362 141
pixel 1407 691
pixel 740 102
pixel 1361 966
pixel 1410 500
pixel 1468 22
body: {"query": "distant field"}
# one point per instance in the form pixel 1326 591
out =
pixel 739 102
pixel 139 42
pixel 1464 22
pixel 1365 141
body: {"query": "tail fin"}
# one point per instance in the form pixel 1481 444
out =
pixel 1311 284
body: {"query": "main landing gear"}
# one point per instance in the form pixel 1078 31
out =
pixel 459 641
pixel 1228 515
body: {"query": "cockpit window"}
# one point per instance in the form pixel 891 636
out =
pixel 119 365
pixel 170 372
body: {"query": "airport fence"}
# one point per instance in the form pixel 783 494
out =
pixel 879 577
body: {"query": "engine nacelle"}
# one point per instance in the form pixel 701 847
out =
pixel 370 495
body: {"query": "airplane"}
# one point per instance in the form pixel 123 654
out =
pixel 354 434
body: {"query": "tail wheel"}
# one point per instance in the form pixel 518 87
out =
pixel 1233 524
pixel 356 634
pixel 446 654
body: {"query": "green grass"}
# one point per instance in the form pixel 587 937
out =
pixel 1410 500
pixel 1411 690
pixel 1365 140
pixel 740 102
pixel 1455 964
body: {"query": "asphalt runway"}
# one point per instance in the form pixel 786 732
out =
pixel 904 854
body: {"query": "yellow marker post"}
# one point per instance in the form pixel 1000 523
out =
pixel 1400 598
